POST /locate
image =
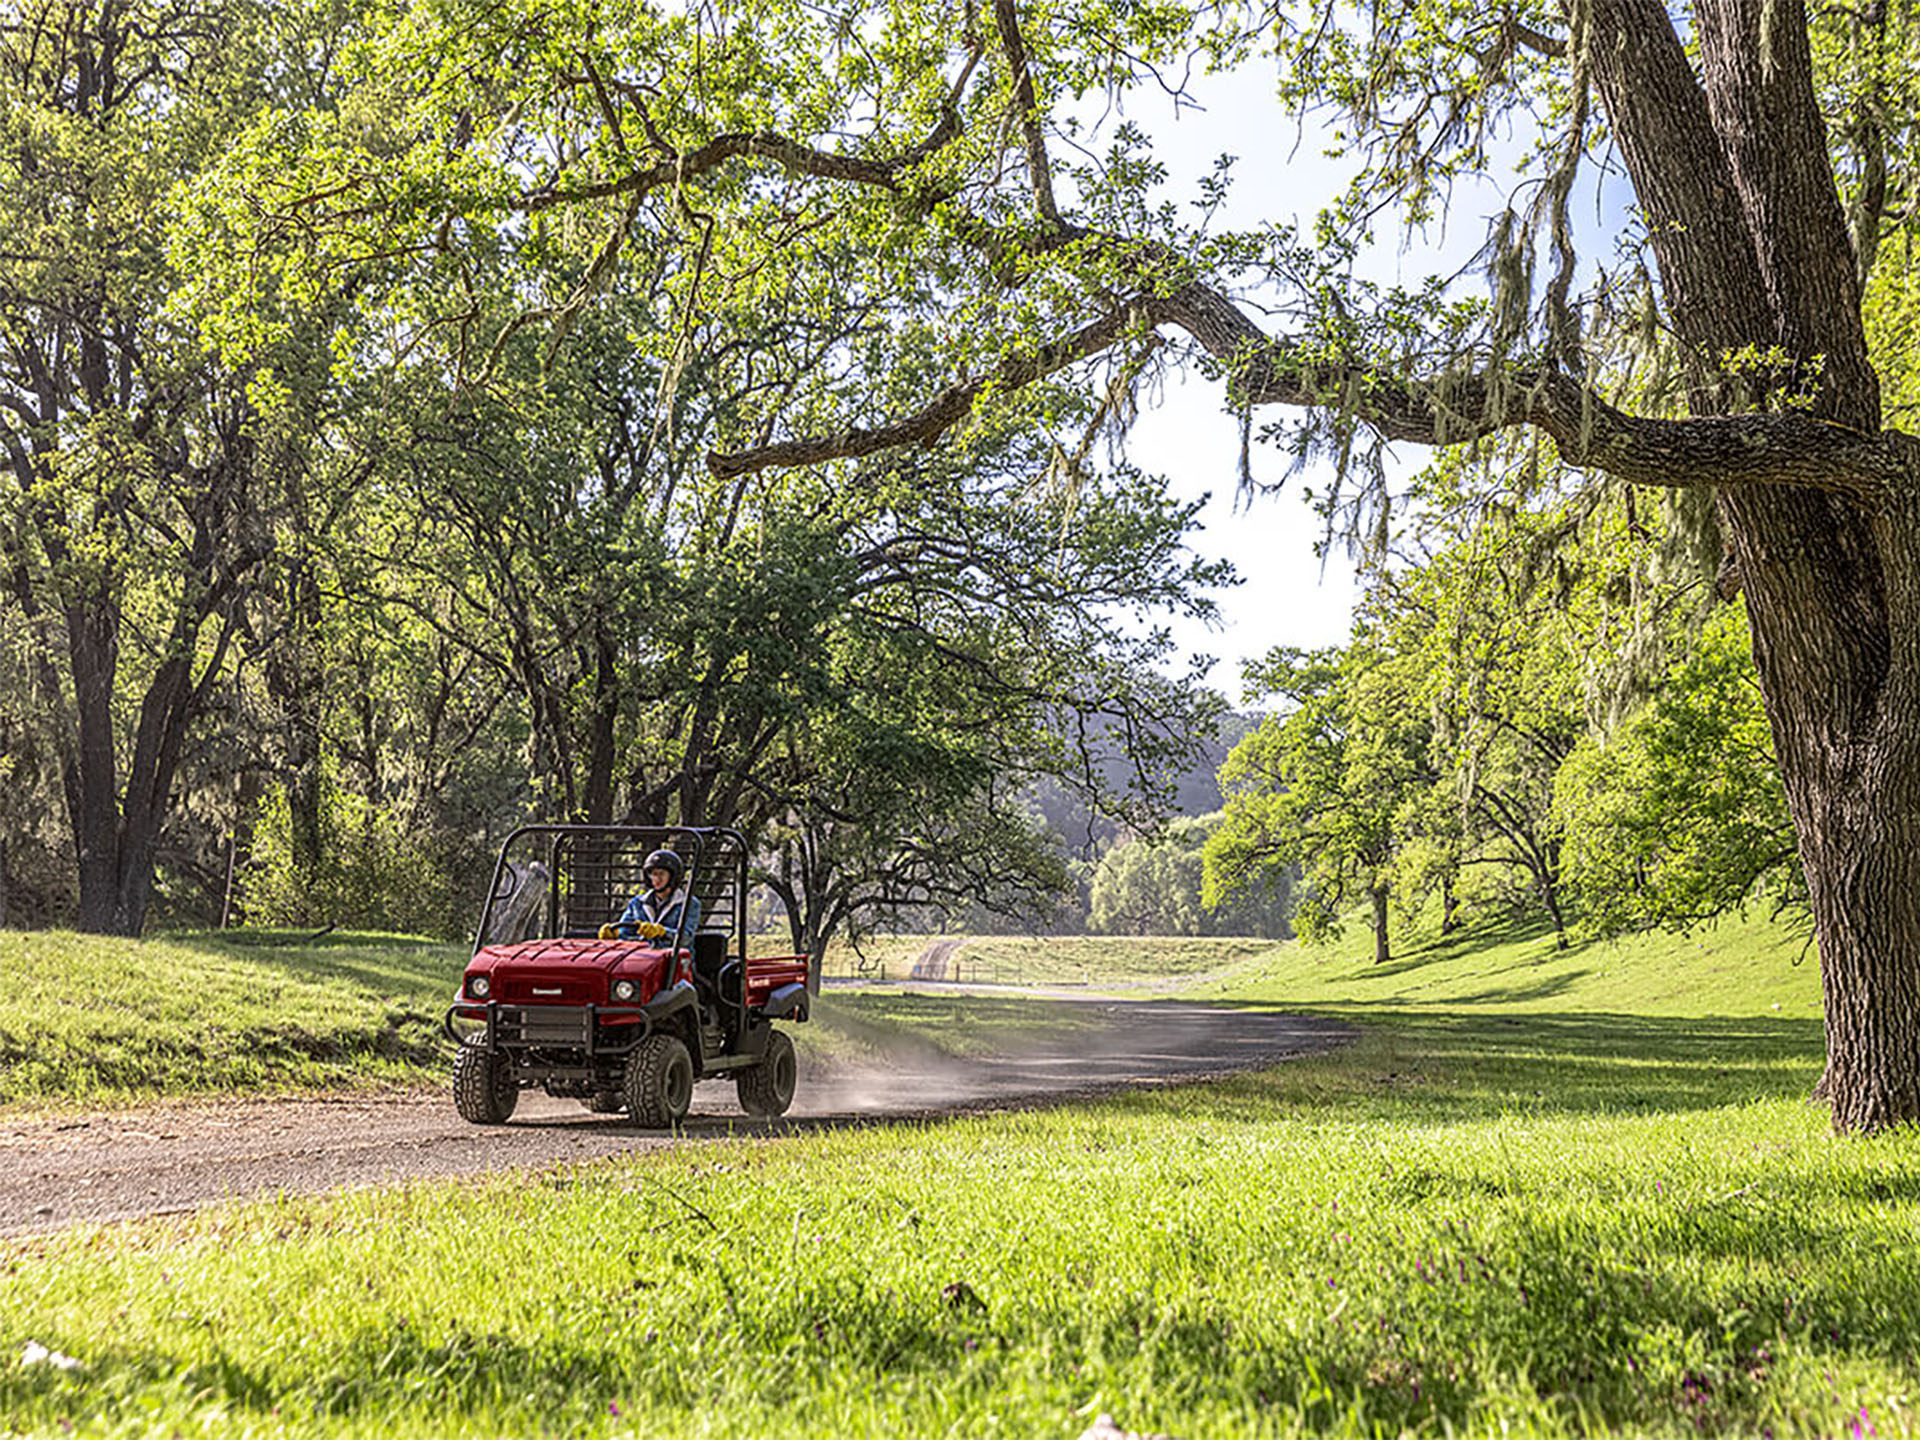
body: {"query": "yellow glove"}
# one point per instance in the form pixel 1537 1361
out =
pixel 651 930
pixel 609 932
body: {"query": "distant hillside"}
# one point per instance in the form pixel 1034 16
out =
pixel 1739 966
pixel 1196 789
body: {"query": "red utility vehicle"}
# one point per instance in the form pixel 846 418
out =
pixel 620 1024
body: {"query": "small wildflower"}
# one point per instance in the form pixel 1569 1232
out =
pixel 37 1354
pixel 613 1408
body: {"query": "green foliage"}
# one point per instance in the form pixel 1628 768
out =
pixel 1152 886
pixel 371 872
pixel 136 485
pixel 1590 742
pixel 1325 787
pixel 1678 815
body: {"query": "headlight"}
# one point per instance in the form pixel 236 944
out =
pixel 625 989
pixel 479 986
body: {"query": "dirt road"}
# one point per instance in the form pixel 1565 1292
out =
pixel 158 1159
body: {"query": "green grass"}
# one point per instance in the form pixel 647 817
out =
pixel 88 1020
pixel 1541 1195
pixel 1104 961
pixel 1737 967
pixel 1108 960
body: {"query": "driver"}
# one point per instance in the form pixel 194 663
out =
pixel 656 913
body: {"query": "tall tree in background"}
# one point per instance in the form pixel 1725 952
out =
pixel 135 483
pixel 1330 785
pixel 1483 633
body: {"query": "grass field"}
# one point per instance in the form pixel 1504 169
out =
pixel 1104 961
pixel 87 1021
pixel 1544 1194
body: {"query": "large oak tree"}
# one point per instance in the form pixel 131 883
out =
pixel 957 147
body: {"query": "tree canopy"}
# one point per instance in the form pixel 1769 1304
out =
pixel 935 164
pixel 848 234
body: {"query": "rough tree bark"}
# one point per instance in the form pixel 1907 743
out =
pixel 1829 574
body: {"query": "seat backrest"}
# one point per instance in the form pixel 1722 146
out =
pixel 709 955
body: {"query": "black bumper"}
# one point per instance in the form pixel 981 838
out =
pixel 511 1026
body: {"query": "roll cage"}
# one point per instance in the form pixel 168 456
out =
pixel 566 881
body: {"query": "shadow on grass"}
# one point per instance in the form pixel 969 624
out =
pixel 1416 954
pixel 410 965
pixel 1551 987
pixel 1449 1065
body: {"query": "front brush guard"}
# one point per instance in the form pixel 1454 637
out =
pixel 565 1027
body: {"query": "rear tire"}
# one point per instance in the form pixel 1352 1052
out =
pixel 767 1089
pixel 659 1082
pixel 484 1090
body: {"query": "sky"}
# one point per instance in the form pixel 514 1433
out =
pixel 1287 596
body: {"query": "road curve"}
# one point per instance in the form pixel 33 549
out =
pixel 57 1171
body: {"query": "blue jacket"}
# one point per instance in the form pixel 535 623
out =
pixel 646 906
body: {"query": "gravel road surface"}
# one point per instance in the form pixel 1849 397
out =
pixel 55 1171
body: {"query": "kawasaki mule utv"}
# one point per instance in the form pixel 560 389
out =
pixel 620 1024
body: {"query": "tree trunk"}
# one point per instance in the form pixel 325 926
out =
pixel 1732 170
pixel 1382 953
pixel 1844 706
pixel 116 827
pixel 1550 897
pixel 605 714
pixel 294 679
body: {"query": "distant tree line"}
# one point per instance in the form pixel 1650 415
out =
pixel 1547 714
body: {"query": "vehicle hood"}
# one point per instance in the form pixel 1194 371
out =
pixel 569 971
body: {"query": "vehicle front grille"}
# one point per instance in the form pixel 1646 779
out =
pixel 550 1025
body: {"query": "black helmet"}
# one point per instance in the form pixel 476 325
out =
pixel 668 861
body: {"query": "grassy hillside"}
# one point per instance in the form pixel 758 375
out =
pixel 1542 1195
pixel 85 1019
pixel 1740 966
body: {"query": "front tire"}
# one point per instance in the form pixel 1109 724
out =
pixel 767 1089
pixel 484 1090
pixel 659 1082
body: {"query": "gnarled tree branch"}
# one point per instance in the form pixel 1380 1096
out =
pixel 1785 449
pixel 677 166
